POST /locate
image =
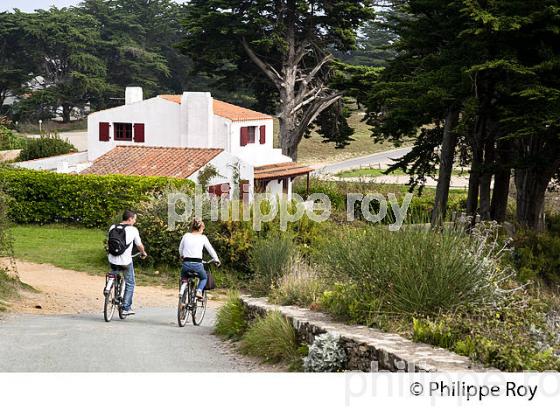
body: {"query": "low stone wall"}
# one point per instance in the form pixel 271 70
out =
pixel 367 349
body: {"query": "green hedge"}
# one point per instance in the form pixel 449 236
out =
pixel 90 200
pixel 44 147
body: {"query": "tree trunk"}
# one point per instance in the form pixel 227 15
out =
pixel 287 126
pixel 66 111
pixel 531 187
pixel 500 194
pixel 474 184
pixel 445 167
pixel 486 179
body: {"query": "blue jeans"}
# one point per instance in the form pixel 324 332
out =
pixel 198 269
pixel 129 281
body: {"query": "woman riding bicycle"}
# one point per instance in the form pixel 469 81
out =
pixel 190 250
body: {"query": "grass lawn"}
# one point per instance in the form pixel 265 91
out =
pixel 74 248
pixel 313 150
pixel 64 246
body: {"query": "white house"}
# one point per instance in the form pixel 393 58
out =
pixel 178 135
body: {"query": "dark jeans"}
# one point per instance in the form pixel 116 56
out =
pixel 196 268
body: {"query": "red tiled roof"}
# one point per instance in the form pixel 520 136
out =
pixel 284 169
pixel 152 161
pixel 226 110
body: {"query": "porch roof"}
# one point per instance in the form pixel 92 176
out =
pixel 281 170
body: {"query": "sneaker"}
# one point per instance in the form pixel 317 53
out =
pixel 198 294
pixel 129 312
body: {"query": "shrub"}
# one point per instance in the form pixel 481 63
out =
pixel 511 337
pixel 300 286
pixel 414 270
pixel 536 257
pixel 45 146
pixel 231 321
pixel 325 355
pixel 270 259
pixel 10 140
pixel 272 338
pixel 90 200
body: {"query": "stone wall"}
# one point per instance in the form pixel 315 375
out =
pixel 367 349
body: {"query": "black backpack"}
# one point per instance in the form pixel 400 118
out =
pixel 117 240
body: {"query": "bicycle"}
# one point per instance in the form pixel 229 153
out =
pixel 114 293
pixel 189 304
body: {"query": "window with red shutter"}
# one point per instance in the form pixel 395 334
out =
pixel 123 131
pixel 104 131
pixel 138 132
pixel 262 138
pixel 244 136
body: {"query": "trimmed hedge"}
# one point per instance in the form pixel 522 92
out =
pixel 90 200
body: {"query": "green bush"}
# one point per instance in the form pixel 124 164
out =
pixel 512 337
pixel 90 200
pixel 536 257
pixel 412 270
pixel 9 140
pixel 231 320
pixel 271 258
pixel 45 146
pixel 419 210
pixel 272 338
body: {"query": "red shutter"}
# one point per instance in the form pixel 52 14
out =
pixel 244 136
pixel 262 139
pixel 138 132
pixel 104 131
pixel 219 190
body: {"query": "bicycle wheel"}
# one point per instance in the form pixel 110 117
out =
pixel 182 309
pixel 199 309
pixel 109 307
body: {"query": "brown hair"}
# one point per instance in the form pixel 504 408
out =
pixel 196 224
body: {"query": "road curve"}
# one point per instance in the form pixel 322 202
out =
pixel 384 158
pixel 151 341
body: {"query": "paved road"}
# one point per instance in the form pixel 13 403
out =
pixel 383 158
pixel 149 342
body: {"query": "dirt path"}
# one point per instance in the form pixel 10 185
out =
pixel 63 291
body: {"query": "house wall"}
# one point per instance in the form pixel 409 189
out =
pixel 161 119
pixel 255 153
pixel 198 113
pixel 222 130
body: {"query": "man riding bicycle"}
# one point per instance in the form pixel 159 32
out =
pixel 121 239
pixel 190 251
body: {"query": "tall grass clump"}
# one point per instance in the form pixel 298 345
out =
pixel 231 321
pixel 300 286
pixel 412 271
pixel 270 258
pixel 271 338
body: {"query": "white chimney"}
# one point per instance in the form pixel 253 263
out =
pixel 197 110
pixel 133 95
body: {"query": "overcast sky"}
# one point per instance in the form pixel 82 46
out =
pixel 30 5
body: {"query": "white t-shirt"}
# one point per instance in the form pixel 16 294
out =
pixel 192 245
pixel 132 235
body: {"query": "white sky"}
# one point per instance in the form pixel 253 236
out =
pixel 30 5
